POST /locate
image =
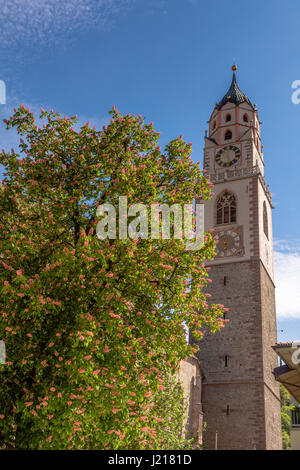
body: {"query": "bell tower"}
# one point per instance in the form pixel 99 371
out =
pixel 241 401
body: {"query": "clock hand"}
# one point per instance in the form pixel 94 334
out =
pixel 228 157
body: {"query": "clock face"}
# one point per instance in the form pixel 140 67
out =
pixel 228 156
pixel 228 244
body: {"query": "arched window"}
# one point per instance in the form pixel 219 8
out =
pixel 265 220
pixel 226 208
pixel 214 125
pixel 228 135
pixel 245 118
pixel 228 117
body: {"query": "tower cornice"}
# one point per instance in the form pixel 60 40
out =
pixel 241 173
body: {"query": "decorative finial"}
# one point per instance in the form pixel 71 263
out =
pixel 234 68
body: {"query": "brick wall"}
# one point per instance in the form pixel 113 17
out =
pixel 240 395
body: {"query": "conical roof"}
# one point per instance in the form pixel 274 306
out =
pixel 234 94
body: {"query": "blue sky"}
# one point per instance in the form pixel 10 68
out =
pixel 169 60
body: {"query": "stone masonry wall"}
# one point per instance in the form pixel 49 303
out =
pixel 240 395
pixel 191 378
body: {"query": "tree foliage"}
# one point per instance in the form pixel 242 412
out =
pixel 286 407
pixel 91 327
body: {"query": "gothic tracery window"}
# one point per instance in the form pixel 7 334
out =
pixel 265 220
pixel 226 208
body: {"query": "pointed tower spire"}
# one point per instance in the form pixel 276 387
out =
pixel 234 94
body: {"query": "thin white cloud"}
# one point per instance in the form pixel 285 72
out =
pixel 41 21
pixel 287 278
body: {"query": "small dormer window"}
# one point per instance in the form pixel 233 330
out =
pixel 228 135
pixel 245 118
pixel 228 117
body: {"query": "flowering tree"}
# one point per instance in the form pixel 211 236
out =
pixel 93 327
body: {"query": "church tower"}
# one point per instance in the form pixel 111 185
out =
pixel 241 401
